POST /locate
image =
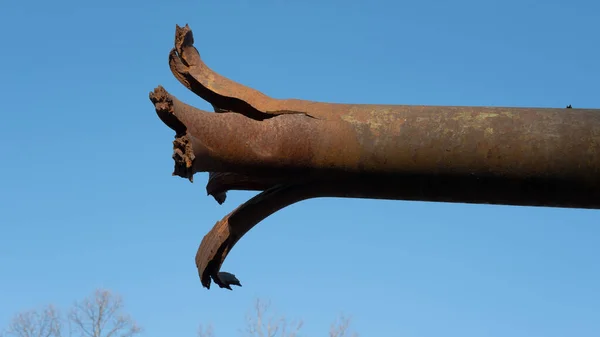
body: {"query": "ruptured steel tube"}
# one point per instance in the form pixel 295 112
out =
pixel 295 149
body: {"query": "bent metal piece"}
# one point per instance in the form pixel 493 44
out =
pixel 294 149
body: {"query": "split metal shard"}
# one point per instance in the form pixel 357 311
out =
pixel 293 149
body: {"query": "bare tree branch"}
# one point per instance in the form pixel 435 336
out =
pixel 100 316
pixel 259 325
pixel 208 332
pixel 340 328
pixel 34 323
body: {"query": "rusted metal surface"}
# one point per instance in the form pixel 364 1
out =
pixel 295 149
pixel 481 151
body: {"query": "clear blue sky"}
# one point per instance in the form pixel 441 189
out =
pixel 87 199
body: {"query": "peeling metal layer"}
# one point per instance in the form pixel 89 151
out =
pixel 219 242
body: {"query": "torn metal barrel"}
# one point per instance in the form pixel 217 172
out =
pixel 295 149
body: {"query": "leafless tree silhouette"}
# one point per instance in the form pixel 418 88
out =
pixel 99 315
pixel 35 323
pixel 260 324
